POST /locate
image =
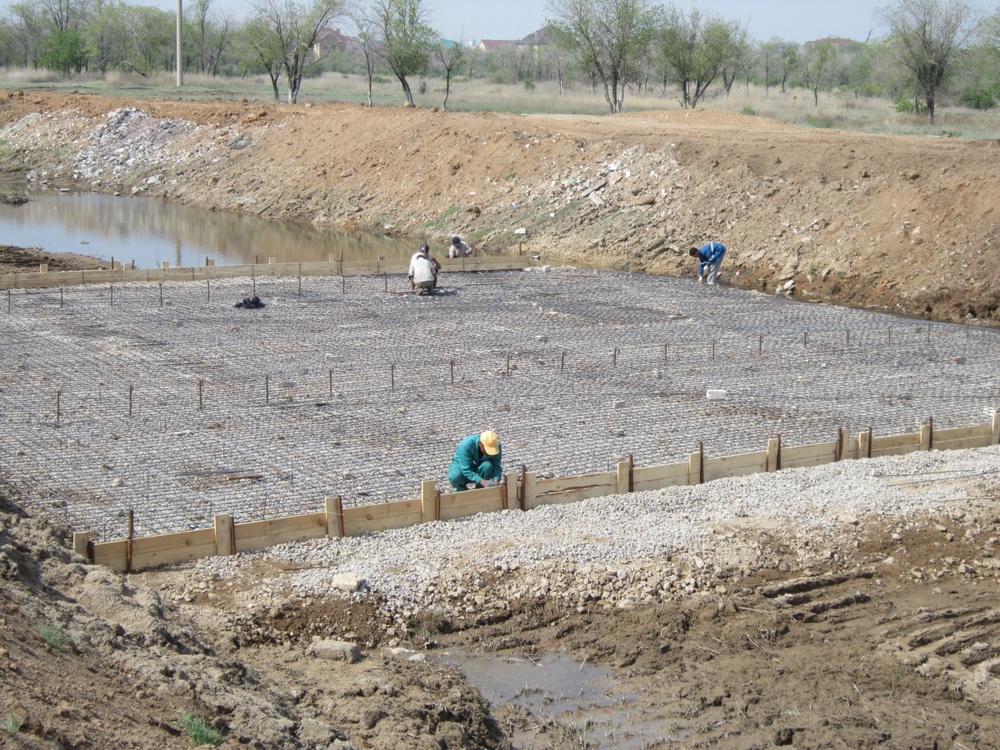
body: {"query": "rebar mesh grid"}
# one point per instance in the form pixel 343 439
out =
pixel 167 400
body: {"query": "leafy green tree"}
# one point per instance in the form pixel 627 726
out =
pixel 609 38
pixel 28 28
pixel 695 50
pixel 266 52
pixel 817 61
pixel 407 40
pixel 926 38
pixel 64 51
pixel 293 30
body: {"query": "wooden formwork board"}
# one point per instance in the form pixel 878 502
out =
pixel 469 503
pixel 814 454
pixel 955 438
pixel 735 466
pixel 658 477
pixel 364 519
pixel 574 489
pixel 607 479
pixel 37 280
pixel 112 554
pixel 166 549
pixel 260 534
pixel 895 445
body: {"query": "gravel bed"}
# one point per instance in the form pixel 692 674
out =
pixel 169 401
pixel 624 550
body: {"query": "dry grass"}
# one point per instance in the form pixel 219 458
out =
pixel 840 110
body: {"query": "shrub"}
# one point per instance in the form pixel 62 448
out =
pixel 529 85
pixel 12 724
pixel 53 637
pixel 977 97
pixel 748 110
pixel 200 732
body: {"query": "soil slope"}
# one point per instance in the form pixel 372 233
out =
pixel 900 223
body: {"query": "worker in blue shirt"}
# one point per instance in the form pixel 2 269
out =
pixel 477 461
pixel 709 259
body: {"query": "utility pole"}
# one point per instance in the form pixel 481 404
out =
pixel 180 42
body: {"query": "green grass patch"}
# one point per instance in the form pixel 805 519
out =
pixel 54 637
pixel 12 724
pixel 200 732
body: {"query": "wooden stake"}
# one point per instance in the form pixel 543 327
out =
pixel 453 372
pixel 562 362
pixel 208 290
pixel 112 295
pixel 61 296
pixel 267 389
pixel 58 399
pixel 161 294
pixel 130 389
pixel 201 390
pixel 330 381
pixel 392 376
pixel 128 541
pixel 760 344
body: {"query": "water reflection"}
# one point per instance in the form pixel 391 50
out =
pixel 151 232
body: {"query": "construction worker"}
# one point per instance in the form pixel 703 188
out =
pixel 423 270
pixel 459 249
pixel 476 461
pixel 709 259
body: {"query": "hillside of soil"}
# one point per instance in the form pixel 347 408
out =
pixel 901 223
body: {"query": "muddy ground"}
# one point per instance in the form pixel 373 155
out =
pixel 844 652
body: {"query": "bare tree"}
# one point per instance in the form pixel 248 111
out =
pixel 926 37
pixel 368 39
pixel 450 53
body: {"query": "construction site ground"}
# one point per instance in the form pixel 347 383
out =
pixel 94 659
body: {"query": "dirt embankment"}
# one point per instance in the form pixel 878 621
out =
pixel 900 223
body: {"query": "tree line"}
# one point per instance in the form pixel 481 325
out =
pixel 933 48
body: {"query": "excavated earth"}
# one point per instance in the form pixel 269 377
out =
pixel 882 635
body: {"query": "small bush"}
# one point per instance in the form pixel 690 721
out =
pixel 53 637
pixel 200 732
pixel 12 724
pixel 976 97
pixel 750 111
pixel 529 85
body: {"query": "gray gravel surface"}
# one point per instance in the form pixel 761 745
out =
pixel 641 548
pixel 169 401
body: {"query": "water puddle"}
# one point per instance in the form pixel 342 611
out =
pixel 569 703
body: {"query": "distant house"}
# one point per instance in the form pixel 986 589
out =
pixel 545 35
pixel 447 44
pixel 494 45
pixel 330 40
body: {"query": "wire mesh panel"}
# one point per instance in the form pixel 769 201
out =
pixel 168 400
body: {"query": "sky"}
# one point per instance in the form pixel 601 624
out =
pixel 790 20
